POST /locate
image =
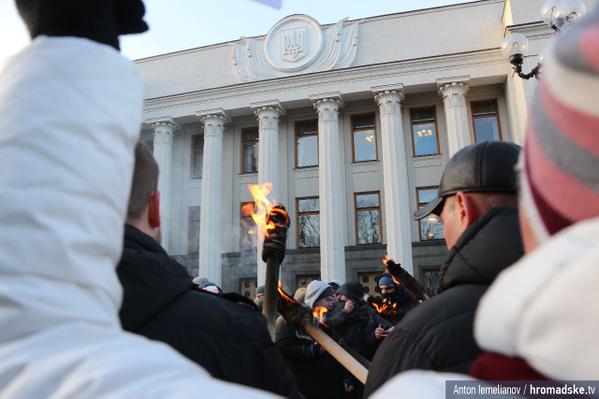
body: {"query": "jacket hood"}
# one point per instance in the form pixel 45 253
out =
pixel 544 308
pixel 150 278
pixel 486 248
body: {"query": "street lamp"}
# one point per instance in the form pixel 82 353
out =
pixel 558 14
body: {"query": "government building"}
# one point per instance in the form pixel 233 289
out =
pixel 352 122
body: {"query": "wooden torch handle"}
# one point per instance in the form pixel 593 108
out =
pixel 269 306
pixel 335 350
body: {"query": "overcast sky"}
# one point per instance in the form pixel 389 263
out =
pixel 181 24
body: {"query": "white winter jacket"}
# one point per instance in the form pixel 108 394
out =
pixel 70 113
pixel 544 309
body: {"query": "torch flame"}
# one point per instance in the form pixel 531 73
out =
pixel 284 294
pixel 380 309
pixel 261 207
pixel 386 260
pixel 319 313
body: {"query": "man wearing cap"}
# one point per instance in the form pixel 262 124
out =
pixel 477 205
pixel 397 300
pixel 319 293
pixel 259 297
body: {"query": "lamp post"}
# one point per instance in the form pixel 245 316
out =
pixel 558 14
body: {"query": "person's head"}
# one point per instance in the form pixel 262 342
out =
pixel 476 179
pixel 300 295
pixel 462 209
pixel 335 286
pixel 319 293
pixel 143 211
pixel 559 179
pixel 386 285
pixel 259 297
pixel 353 291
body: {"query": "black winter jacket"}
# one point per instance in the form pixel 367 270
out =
pixel 227 339
pixel 355 330
pixel 317 373
pixel 438 334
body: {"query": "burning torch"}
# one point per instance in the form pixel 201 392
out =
pixel 272 222
pixel 402 277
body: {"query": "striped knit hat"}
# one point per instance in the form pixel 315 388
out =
pixel 560 183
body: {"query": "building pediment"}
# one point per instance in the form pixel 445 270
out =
pixel 296 44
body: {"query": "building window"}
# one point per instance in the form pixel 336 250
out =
pixel 247 227
pixel 431 227
pixel 193 235
pixel 368 218
pixel 306 144
pixel 197 155
pixel 364 138
pixel 424 132
pixel 486 121
pixel 249 150
pixel 308 222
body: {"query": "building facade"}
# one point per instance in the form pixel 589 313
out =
pixel 352 122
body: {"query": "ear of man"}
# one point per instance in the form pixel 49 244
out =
pixel 473 206
pixel 467 209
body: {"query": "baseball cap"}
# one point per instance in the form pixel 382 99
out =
pixel 487 167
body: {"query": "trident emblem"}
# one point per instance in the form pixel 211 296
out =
pixel 293 43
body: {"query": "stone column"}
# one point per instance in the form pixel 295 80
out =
pixel 454 92
pixel 398 220
pixel 268 163
pixel 212 190
pixel 163 144
pixel 331 188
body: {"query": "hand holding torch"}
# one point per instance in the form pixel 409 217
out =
pixel 405 279
pixel 273 253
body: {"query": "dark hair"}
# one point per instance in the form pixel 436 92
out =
pixel 145 181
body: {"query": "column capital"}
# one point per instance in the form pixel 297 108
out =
pixel 166 121
pixel 324 101
pixel 388 94
pixel 453 85
pixel 213 116
pixel 268 108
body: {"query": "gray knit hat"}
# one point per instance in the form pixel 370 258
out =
pixel 317 290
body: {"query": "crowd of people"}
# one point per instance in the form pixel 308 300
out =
pixel 517 299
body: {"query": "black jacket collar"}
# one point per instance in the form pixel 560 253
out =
pixel 151 280
pixel 137 239
pixel 487 247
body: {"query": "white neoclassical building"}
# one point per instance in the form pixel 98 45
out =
pixel 352 122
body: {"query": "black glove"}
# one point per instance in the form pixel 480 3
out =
pixel 98 20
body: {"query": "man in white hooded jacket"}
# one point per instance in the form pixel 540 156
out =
pixel 71 110
pixel 541 316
